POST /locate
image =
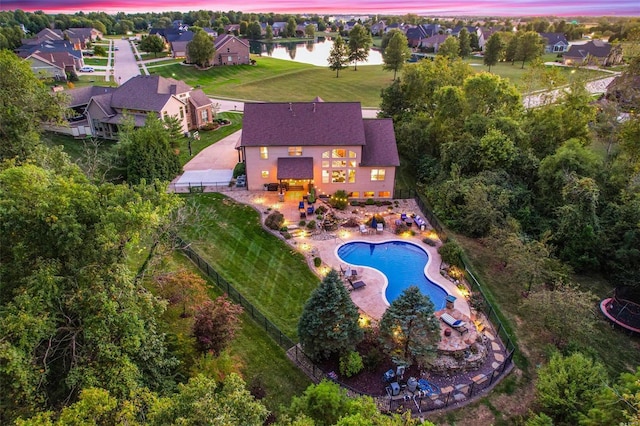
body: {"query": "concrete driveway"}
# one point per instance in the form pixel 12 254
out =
pixel 220 155
pixel 125 66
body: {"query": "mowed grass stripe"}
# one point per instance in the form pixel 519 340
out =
pixel 266 270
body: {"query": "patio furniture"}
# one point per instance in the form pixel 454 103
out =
pixel 356 284
pixel 379 228
pixel 456 324
pixel 363 229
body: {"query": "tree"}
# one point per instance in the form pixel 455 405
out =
pixel 269 32
pixel 200 50
pixel 183 287
pixel 310 31
pixel 254 32
pixel 174 128
pixel 147 151
pixel 360 42
pixel 568 386
pixel 329 321
pixel 396 54
pixel 618 403
pixel 338 56
pixel 203 401
pixel 215 324
pixel 290 29
pixel 152 44
pixel 409 331
pixel 492 50
pixel 560 325
pixel 24 103
pixel 530 46
pixel 465 43
pixel 450 48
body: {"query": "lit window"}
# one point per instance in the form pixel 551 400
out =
pixel 325 163
pixel 352 154
pixel 377 174
pixel 338 176
pixel 325 176
pixel 265 174
pixel 205 115
pixel 352 164
pixel 264 152
pixel 339 153
pixel 384 194
pixel 355 194
pixel 326 154
pixel 338 163
pixel 352 176
pixel 369 194
pixel 295 151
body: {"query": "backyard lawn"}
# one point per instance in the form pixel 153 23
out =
pixel 269 273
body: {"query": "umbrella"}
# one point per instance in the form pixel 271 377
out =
pixel 374 223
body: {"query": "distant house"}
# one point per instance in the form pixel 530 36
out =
pixel 378 28
pixel 433 42
pixel 140 95
pixel 325 144
pixel 232 29
pixel 179 44
pixel 81 36
pixel 278 28
pixel 51 58
pixel 555 42
pixel 483 36
pixel 230 50
pixel 594 52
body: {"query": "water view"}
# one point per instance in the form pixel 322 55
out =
pixel 306 52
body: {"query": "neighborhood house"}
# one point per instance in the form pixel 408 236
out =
pixel 325 145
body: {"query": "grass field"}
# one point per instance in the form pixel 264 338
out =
pixel 269 273
pixel 258 357
pixel 275 80
pixel 95 61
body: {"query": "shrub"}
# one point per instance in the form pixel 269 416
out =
pixel 317 262
pixel 429 242
pixel 239 169
pixel 321 210
pixel 351 364
pixel 352 222
pixel 373 358
pixel 209 126
pixel 196 189
pixel 286 235
pixel 302 223
pixel 284 229
pixel 274 221
pixel 369 202
pixel 401 228
pixel 311 224
pixel 339 200
pixel 354 203
pixel 451 253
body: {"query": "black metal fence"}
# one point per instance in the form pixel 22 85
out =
pixel 283 340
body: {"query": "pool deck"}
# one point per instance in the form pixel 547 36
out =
pixel 370 299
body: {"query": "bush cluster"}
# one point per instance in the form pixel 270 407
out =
pixel 274 221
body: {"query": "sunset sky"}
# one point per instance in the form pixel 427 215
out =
pixel 421 7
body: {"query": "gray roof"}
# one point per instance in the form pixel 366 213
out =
pixel 554 38
pixel 381 148
pixel 295 168
pixel 82 95
pixel 302 124
pixel 147 92
pixel 199 99
pixel 104 101
pixel 223 39
pixel 596 48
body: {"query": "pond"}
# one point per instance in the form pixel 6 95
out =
pixel 307 52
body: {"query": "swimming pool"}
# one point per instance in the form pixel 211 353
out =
pixel 402 263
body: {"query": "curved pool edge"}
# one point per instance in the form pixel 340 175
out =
pixel 431 271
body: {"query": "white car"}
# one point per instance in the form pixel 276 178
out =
pixel 86 69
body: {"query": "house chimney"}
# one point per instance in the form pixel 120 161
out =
pixel 314 107
pixel 290 107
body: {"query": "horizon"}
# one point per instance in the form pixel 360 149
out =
pixel 480 8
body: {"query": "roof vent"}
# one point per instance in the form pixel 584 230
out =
pixel 314 107
pixel 290 107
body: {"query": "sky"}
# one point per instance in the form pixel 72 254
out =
pixel 330 7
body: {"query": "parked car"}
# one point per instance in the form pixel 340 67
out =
pixel 86 69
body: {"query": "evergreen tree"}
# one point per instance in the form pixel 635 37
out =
pixel 396 53
pixel 409 330
pixel 329 322
pixel 338 57
pixel 360 42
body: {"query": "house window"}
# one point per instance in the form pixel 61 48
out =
pixel 295 151
pixel 265 174
pixel 325 176
pixel 338 176
pixel 355 194
pixel 205 115
pixel 384 194
pixel 369 194
pixel 377 174
pixel 336 169
pixel 339 153
pixel 229 58
pixel 351 174
pixel 338 163
pixel 264 152
pixel 181 114
pixel 325 164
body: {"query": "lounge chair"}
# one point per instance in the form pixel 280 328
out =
pixel 379 227
pixel 454 323
pixel 356 284
pixel 363 229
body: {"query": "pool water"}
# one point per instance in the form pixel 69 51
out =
pixel 401 262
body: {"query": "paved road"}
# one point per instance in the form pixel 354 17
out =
pixel 125 66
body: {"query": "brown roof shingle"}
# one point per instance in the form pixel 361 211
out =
pixel 303 124
pixel 381 148
pixel 147 92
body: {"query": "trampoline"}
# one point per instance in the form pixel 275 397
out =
pixel 622 310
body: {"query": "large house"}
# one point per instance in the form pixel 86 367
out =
pixel 555 42
pixel 230 50
pixel 594 52
pixel 325 144
pixel 141 95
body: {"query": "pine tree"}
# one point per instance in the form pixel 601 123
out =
pixel 409 330
pixel 329 322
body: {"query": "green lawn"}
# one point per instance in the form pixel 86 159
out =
pixel 209 137
pixel 95 61
pixel 266 270
pixel 146 56
pixel 73 147
pixel 256 354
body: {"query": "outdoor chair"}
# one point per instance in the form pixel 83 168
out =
pixel 356 284
pixel 363 229
pixel 454 323
pixel 379 228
